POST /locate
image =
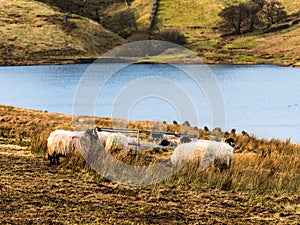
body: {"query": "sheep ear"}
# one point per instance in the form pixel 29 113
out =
pixel 95 132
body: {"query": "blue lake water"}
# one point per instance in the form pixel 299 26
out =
pixel 261 99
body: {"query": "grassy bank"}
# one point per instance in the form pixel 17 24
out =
pixel 262 185
pixel 260 166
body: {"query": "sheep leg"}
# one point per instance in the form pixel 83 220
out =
pixel 57 159
pixel 223 167
pixel 51 159
pixel 229 163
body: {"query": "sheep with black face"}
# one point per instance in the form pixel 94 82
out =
pixel 203 153
pixel 60 143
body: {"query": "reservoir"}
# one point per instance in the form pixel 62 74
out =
pixel 263 100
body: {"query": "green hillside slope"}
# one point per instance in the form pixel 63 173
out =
pixel 142 10
pixel 189 13
pixel 198 21
pixel 34 33
pixel 195 13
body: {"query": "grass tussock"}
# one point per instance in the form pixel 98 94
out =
pixel 249 173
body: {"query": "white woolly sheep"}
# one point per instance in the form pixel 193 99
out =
pixel 203 153
pixel 117 142
pixel 104 135
pixel 60 144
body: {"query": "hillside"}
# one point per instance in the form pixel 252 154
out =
pixel 36 32
pixel 198 21
pixel 33 33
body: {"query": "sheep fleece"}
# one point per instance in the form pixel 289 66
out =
pixel 203 153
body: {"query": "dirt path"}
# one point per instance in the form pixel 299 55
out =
pixel 31 192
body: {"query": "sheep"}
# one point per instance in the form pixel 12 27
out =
pixel 169 139
pixel 202 153
pixel 84 141
pixel 117 142
pixel 60 144
pixel 103 135
pixel 186 152
pixel 171 136
pixel 224 154
pixel 173 140
pixel 160 136
pixel 89 145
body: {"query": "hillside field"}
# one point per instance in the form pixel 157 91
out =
pixel 261 187
pixel 35 33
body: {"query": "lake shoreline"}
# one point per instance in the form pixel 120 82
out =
pixel 24 115
pixel 50 62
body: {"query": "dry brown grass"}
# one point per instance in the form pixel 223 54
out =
pixel 260 166
pixel 249 173
pixel 31 192
pixel 258 188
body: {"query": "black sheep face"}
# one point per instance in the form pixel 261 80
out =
pixel 230 141
pixel 92 133
pixel 164 142
pixel 185 140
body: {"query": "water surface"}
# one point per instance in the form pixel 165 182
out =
pixel 260 99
